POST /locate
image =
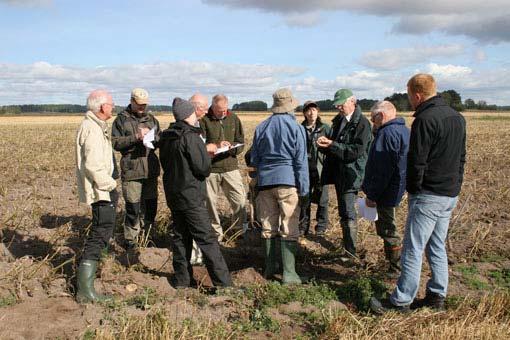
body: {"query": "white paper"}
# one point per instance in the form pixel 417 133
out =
pixel 226 148
pixel 149 138
pixel 365 212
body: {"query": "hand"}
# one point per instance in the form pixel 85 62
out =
pixel 370 203
pixel 141 133
pixel 211 148
pixel 324 142
pixel 225 143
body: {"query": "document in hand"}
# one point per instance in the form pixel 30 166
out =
pixel 365 212
pixel 149 138
pixel 226 148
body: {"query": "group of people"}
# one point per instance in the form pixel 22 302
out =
pixel 293 164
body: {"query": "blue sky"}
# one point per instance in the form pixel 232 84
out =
pixel 58 51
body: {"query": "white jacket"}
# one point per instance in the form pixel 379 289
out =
pixel 94 160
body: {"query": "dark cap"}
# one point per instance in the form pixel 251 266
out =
pixel 182 109
pixel 308 104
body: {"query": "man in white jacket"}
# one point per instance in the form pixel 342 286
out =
pixel 95 167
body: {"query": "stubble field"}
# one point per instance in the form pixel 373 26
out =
pixel 42 227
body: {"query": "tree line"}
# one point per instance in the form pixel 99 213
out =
pixel 64 108
pixel 400 101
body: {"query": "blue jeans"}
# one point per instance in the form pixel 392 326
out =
pixel 426 229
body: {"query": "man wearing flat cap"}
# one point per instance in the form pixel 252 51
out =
pixel 346 150
pixel 186 165
pixel 279 154
pixel 139 166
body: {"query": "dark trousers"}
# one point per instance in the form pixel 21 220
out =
pixel 321 215
pixel 346 201
pixel 386 228
pixel 195 224
pixel 101 230
pixel 347 213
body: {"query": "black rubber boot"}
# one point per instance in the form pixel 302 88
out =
pixel 86 275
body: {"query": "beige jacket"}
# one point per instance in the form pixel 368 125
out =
pixel 94 160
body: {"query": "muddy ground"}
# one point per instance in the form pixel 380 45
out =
pixel 42 229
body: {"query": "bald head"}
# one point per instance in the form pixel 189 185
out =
pixel 382 112
pixel 200 103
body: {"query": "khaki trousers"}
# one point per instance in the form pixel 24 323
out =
pixel 232 184
pixel 279 210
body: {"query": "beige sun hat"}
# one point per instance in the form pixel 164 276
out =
pixel 140 96
pixel 283 101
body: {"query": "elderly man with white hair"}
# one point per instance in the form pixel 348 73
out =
pixel 346 150
pixel 385 176
pixel 95 171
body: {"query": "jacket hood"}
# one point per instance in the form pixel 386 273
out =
pixel 177 129
pixel 211 115
pixel 431 102
pixel 396 121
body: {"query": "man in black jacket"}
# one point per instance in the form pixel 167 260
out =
pixel 186 164
pixel 346 150
pixel 435 170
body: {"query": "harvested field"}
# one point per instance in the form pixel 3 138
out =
pixel 42 224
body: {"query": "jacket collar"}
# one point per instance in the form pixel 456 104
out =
pixel 102 124
pixel 211 115
pixel 356 116
pixel 431 102
pixel 395 121
pixel 318 124
pixel 128 112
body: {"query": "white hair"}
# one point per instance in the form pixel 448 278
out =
pixel 353 98
pixel 95 100
pixel 383 106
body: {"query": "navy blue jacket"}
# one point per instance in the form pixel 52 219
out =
pixel 385 172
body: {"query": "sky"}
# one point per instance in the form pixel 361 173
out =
pixel 57 51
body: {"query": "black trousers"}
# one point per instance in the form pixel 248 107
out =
pixel 101 230
pixel 195 224
pixel 321 214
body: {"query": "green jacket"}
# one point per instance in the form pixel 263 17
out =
pixel 315 158
pixel 216 130
pixel 346 158
pixel 137 162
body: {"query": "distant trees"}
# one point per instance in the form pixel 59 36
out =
pixel 63 108
pixel 255 105
pixel 400 101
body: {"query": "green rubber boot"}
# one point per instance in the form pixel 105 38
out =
pixel 289 251
pixel 270 257
pixel 86 276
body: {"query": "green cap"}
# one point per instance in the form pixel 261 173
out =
pixel 341 96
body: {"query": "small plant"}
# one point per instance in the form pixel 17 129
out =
pixel 144 300
pixel 470 276
pixel 501 277
pixel 360 290
pixel 6 301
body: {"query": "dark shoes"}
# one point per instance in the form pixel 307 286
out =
pixel 385 306
pixel 431 300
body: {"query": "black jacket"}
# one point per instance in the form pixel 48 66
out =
pixel 437 150
pixel 137 162
pixel 186 164
pixel 346 157
pixel 315 158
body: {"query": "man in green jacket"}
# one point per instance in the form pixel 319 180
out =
pixel 139 165
pixel 346 150
pixel 223 129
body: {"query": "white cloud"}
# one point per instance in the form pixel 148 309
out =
pixel 42 82
pixel 397 58
pixel 485 21
pixel 303 19
pixel 28 3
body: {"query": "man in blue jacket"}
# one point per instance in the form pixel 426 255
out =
pixel 279 155
pixel 385 176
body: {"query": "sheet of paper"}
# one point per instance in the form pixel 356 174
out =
pixel 149 138
pixel 226 148
pixel 366 212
